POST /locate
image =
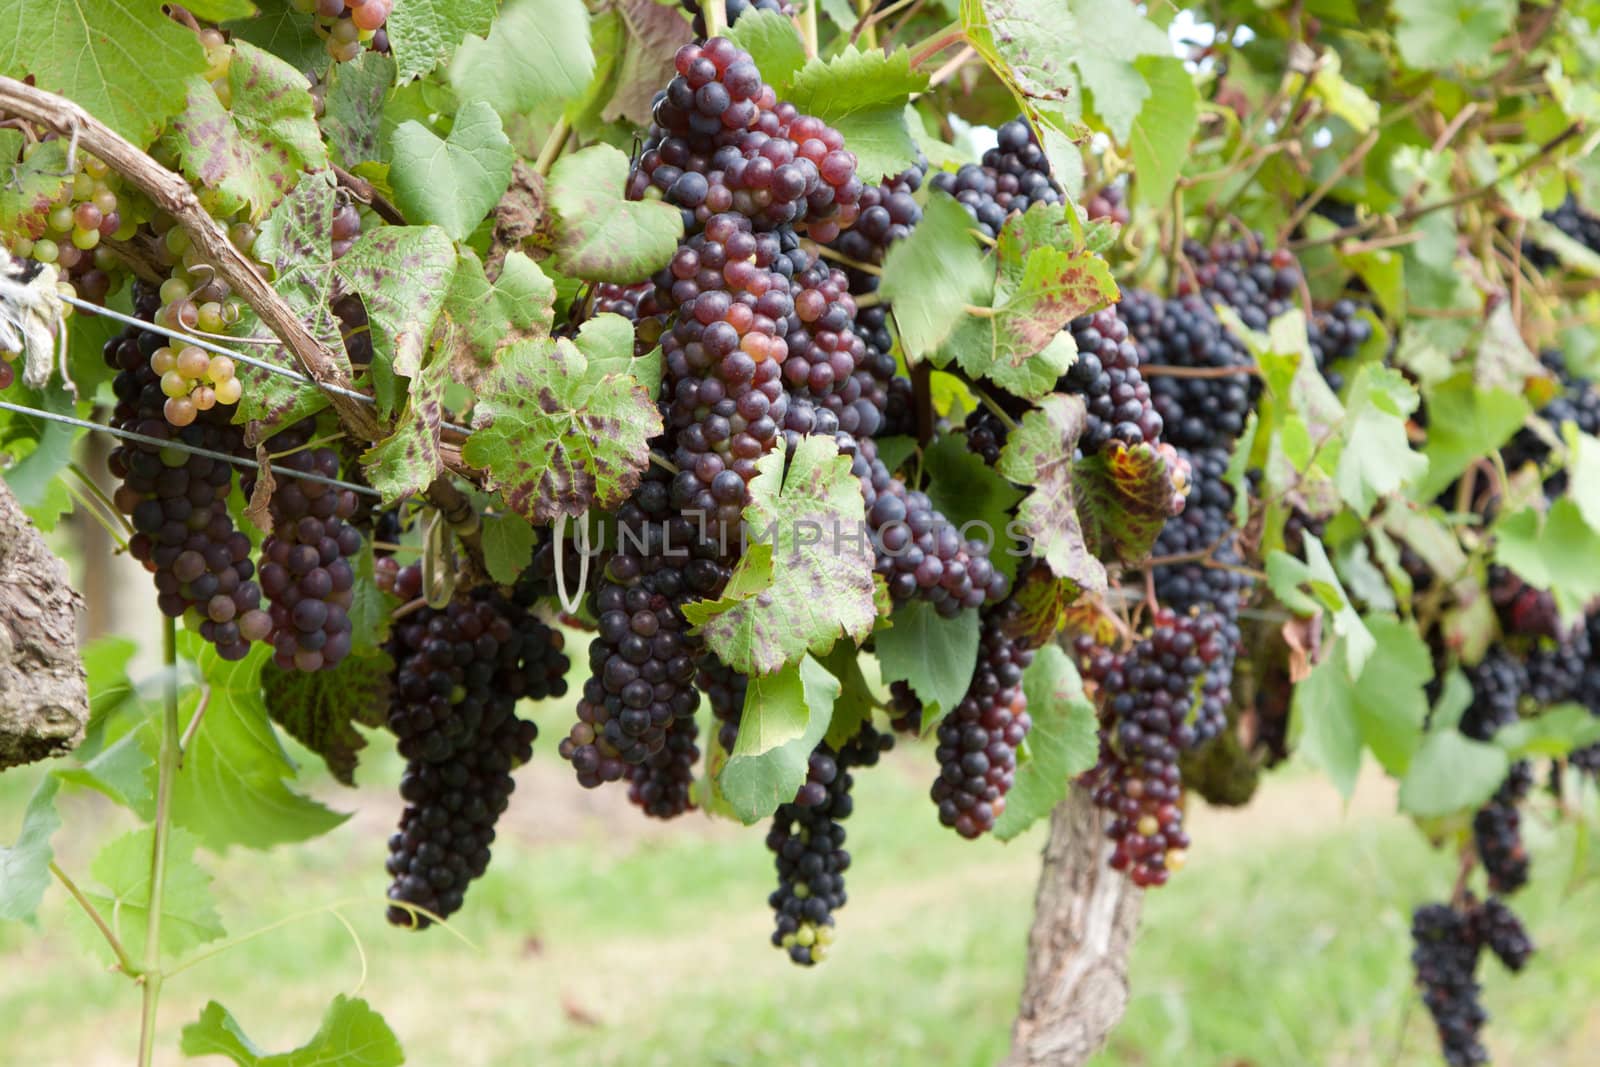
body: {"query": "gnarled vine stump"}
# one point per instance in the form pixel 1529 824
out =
pixel 44 698
pixel 1084 920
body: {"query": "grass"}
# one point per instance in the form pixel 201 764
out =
pixel 597 940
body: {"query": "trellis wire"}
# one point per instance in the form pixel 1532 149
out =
pixel 182 446
pixel 239 357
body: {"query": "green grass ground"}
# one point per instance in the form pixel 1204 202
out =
pixel 601 940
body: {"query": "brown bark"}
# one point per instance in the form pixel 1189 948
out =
pixel 1084 920
pixel 44 698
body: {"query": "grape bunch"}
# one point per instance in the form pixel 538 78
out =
pixel 807 842
pixel 1184 332
pixel 734 8
pixel 1106 374
pixel 459 672
pixel 193 381
pixel 725 689
pixel 642 660
pixel 1013 176
pixel 1445 958
pixel 306 569
pixel 1497 832
pixel 1161 698
pixel 1108 202
pixel 1206 525
pixel 721 141
pixel 1572 220
pixel 177 504
pixel 87 211
pixel 1577 401
pixel 1498 682
pixel 979 738
pixel 825 355
pixel 660 785
pixel 346 25
pixel 1496 926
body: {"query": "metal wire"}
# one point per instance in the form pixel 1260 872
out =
pixel 238 357
pixel 182 446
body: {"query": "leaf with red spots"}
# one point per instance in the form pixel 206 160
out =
pixel 252 152
pixel 1042 602
pixel 557 434
pixel 1016 340
pixel 1039 453
pixel 408 460
pixel 296 243
pixel 403 274
pixel 821 584
pixel 599 236
pixel 30 188
pixel 481 317
pixel 1123 496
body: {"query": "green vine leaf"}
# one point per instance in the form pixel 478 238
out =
pixel 1451 773
pixel 1063 743
pixel 814 517
pixel 774 43
pixel 233 789
pixel 408 460
pixel 1457 32
pixel 220 10
pixel 1039 454
pixel 1555 551
pixel 426 33
pixel 453 182
pixel 598 235
pixel 30 189
pixel 536 56
pixel 352 118
pixel 288 34
pixel 25 866
pixel 932 275
pixel 253 151
pixel 1164 128
pixel 934 655
pixel 558 436
pixel 321 709
pixel 863 95
pixel 1377 458
pixel 188 911
pixel 785 715
pixel 124 61
pixel 352 1034
pixel 507 546
pixel 1464 421
pixel 976 500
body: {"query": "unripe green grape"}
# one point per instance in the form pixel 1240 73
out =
pixel 173 290
pixel 177 241
pixel 60 220
pixel 46 250
pixel 211 317
pixel 220 369
pixel 82 186
pixel 23 248
pixel 85 239
pixel 174 384
pixel 229 392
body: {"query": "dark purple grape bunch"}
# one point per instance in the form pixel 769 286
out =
pixel 827 357
pixel 725 690
pixel 306 568
pixel 1444 957
pixel 1205 525
pixel 735 10
pixel 1013 176
pixel 1497 832
pixel 1106 374
pixel 807 842
pixel 176 502
pixel 1207 412
pixel 721 141
pixel 979 738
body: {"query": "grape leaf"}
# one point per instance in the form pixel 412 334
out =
pixel 855 702
pixel 1451 773
pixel 1114 39
pixel 232 789
pixel 1583 466
pixel 863 95
pixel 933 654
pixel 188 912
pixel 1029 44
pixel 607 339
pixel 654 33
pixel 813 515
pixel 1554 551
pixel 599 236
pixel 507 546
pixel 426 33
pixel 1323 724
pixel 1063 743
pixel 976 500
pixel 37 452
pixel 295 242
pixel 1039 454
pixel 456 181
pixel 1464 422
pixel 1376 458
pixel 1123 496
pixel 403 274
pixel 352 118
pixel 1042 602
pixel 1018 342
pixel 124 61
pixel 1163 129
pixel 774 43
pixel 536 55
pixel 320 709
pixel 352 1034
pixel 482 317
pixel 785 715
pixel 932 275
pixel 557 436
pixel 31 188
pixel 288 34
pixel 1434 34
pixel 220 10
pixel 25 866
pixel 253 151
pixel 408 460
pixel 370 607
pixel 1556 731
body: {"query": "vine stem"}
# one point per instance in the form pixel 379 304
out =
pixel 166 771
pixel 808 27
pixel 552 147
pixel 124 960
pixel 932 46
